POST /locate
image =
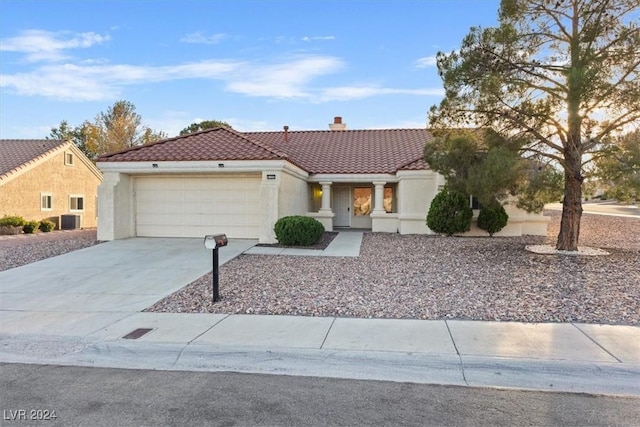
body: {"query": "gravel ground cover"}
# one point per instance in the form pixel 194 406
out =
pixel 24 249
pixel 433 277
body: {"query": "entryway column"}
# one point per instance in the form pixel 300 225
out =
pixel 326 196
pixel 378 206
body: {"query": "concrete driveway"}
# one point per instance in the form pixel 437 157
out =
pixel 82 291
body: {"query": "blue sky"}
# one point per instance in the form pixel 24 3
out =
pixel 258 65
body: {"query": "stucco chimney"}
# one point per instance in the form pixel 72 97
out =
pixel 286 133
pixel 337 124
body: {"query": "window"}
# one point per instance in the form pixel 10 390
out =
pixel 46 201
pixel 76 203
pixel 68 159
pixel 361 201
pixel 388 199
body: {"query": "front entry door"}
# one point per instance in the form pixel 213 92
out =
pixel 342 206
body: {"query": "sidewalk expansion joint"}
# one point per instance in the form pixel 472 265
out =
pixel 189 343
pixel 464 377
pixel 596 343
pixel 327 334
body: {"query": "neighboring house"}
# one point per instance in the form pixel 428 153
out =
pixel 241 183
pixel 46 178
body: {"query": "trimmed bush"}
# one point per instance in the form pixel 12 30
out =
pixel 449 213
pixel 298 230
pixel 492 218
pixel 46 226
pixel 30 226
pixel 12 221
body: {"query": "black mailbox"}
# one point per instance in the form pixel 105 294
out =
pixel 215 241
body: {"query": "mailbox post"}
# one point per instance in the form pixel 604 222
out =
pixel 215 241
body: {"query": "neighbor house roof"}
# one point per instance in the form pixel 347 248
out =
pixel 15 153
pixel 19 155
pixel 317 152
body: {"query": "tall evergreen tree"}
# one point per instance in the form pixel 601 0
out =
pixel 561 75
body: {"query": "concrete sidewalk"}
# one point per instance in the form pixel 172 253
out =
pixel 597 359
pixel 77 308
pixel 345 244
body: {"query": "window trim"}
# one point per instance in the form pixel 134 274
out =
pixel 50 197
pixel 76 196
pixel 71 158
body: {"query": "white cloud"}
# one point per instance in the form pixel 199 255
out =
pixel 282 39
pixel 32 131
pixel 96 79
pixel 317 38
pixel 427 61
pixel 201 38
pixel 284 80
pixel 90 82
pixel 245 125
pixel 347 93
pixel 170 122
pixel 40 45
pixel 102 82
pixel 58 82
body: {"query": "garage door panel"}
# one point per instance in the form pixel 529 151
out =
pixel 195 206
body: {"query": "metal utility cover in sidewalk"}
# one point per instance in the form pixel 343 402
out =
pixel 134 335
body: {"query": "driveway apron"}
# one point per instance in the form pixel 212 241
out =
pixel 91 288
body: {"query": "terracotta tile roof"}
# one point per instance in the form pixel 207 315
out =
pixel 317 152
pixel 417 165
pixel 350 151
pixel 212 144
pixel 17 152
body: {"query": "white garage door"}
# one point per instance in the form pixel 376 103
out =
pixel 196 206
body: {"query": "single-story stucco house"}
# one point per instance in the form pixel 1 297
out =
pixel 48 179
pixel 240 183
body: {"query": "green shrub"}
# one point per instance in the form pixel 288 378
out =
pixel 46 225
pixel 492 218
pixel 12 221
pixel 298 230
pixel 30 226
pixel 449 213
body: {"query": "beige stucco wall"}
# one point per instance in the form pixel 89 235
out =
pixel 315 197
pixel 269 204
pixel 416 190
pixel 282 193
pixel 288 193
pixel 21 195
pixel 293 195
pixel 520 223
pixel 115 210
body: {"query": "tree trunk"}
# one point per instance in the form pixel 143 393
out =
pixel 571 213
pixel 572 202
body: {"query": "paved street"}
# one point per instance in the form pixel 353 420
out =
pixel 117 397
pixel 606 207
